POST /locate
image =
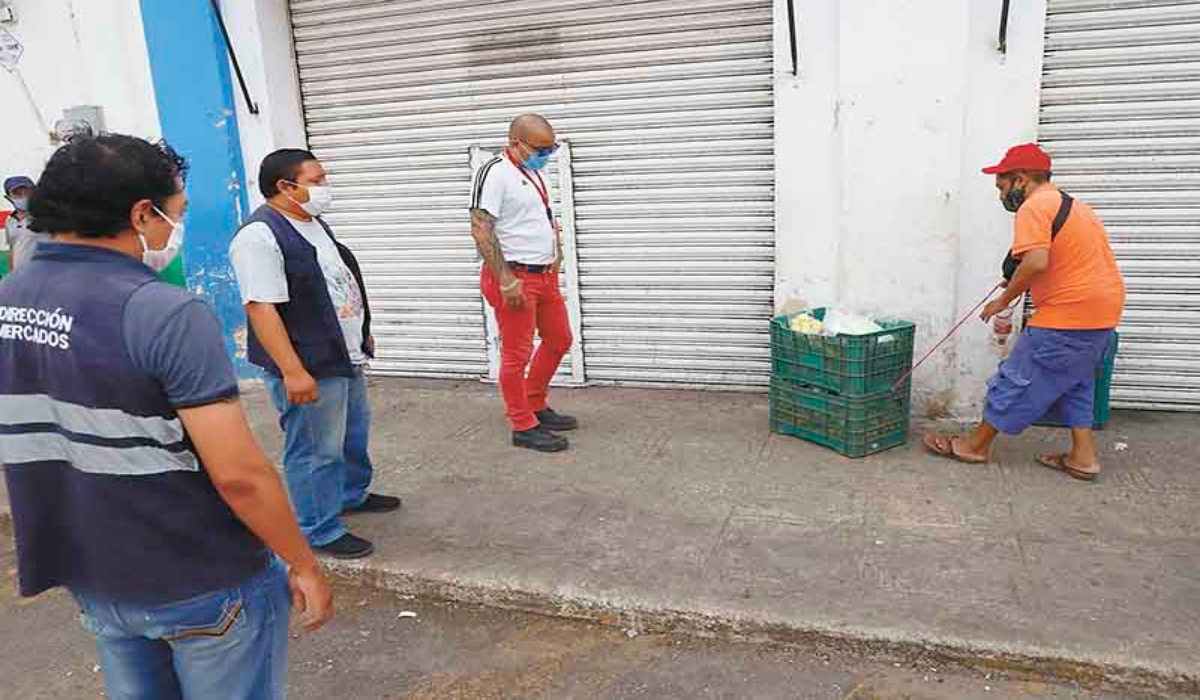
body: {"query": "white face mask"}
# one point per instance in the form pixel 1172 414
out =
pixel 20 203
pixel 159 260
pixel 320 198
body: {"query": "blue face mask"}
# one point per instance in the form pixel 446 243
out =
pixel 536 161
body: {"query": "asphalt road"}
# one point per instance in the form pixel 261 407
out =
pixel 451 652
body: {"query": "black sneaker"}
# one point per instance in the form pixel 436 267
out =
pixel 556 422
pixel 347 547
pixel 541 440
pixel 376 503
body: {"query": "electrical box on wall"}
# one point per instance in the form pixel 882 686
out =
pixel 83 120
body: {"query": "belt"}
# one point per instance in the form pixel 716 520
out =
pixel 532 269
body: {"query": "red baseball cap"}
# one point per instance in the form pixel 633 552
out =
pixel 1027 156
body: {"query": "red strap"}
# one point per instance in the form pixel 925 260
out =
pixel 953 330
pixel 538 184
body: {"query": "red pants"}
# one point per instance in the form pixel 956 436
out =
pixel 546 312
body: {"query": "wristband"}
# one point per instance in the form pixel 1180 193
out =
pixel 510 287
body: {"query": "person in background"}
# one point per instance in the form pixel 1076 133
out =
pixel 21 240
pixel 1066 263
pixel 5 254
pixel 310 331
pixel 132 472
pixel 516 233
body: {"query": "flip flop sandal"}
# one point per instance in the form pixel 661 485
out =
pixel 1059 463
pixel 944 447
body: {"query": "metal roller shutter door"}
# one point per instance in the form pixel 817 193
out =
pixel 1121 116
pixel 669 108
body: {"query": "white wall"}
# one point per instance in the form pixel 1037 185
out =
pixel 261 33
pixel 880 139
pixel 77 52
pixel 94 52
pixel 1002 97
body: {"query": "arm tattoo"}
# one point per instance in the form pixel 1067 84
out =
pixel 483 229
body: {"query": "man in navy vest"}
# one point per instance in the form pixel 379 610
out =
pixel 310 331
pixel 134 478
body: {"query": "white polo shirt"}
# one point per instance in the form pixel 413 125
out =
pixel 522 226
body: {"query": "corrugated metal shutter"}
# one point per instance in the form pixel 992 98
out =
pixel 1121 116
pixel 668 104
pixel 676 219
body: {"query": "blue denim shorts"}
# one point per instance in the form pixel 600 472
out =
pixel 1051 375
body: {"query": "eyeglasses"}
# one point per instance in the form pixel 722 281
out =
pixel 546 151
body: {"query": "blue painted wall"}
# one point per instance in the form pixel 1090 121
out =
pixel 194 91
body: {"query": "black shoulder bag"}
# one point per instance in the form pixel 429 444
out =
pixel 1064 210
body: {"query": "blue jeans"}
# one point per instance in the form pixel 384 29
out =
pixel 224 645
pixel 325 457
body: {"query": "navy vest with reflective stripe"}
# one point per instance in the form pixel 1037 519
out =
pixel 310 318
pixel 107 493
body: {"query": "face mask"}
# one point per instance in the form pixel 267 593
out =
pixel 159 260
pixel 1014 198
pixel 320 198
pixel 20 203
pixel 536 162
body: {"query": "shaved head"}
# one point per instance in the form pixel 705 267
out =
pixel 533 129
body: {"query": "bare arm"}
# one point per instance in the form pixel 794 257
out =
pixel 1033 263
pixel 270 331
pixel 247 481
pixel 483 230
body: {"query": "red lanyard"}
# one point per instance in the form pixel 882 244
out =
pixel 538 185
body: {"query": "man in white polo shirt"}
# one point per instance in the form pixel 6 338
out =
pixel 516 233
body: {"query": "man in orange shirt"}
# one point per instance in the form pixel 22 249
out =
pixel 1066 263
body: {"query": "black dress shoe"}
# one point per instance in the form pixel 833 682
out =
pixel 347 547
pixel 556 422
pixel 376 503
pixel 540 439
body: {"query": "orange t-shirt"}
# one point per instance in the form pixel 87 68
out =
pixel 1082 289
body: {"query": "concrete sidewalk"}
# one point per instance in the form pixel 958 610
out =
pixel 679 509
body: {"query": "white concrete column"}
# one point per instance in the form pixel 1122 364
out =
pixel 261 33
pixel 879 141
pixel 1002 100
pixel 808 183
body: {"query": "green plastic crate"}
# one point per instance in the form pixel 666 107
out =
pixel 1101 410
pixel 851 365
pixel 854 427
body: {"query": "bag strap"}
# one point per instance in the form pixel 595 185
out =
pixel 1060 219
